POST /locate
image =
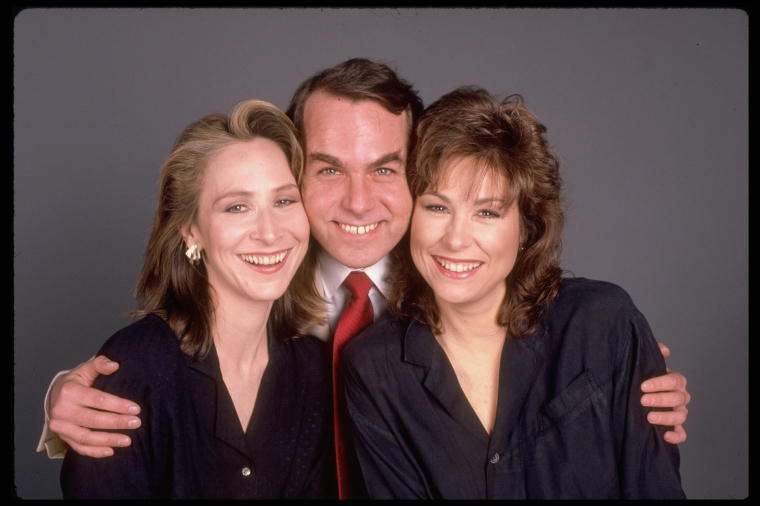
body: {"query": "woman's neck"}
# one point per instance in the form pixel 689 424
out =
pixel 240 337
pixel 240 333
pixel 473 341
pixel 472 325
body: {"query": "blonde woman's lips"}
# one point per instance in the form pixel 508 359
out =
pixel 266 263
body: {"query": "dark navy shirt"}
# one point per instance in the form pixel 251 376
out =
pixel 191 443
pixel 569 423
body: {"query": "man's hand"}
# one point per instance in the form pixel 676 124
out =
pixel 75 408
pixel 667 391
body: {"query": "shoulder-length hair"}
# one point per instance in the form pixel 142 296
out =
pixel 179 292
pixel 507 139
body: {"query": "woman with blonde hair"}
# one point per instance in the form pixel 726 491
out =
pixel 235 404
pixel 496 377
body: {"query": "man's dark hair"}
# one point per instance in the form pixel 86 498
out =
pixel 359 79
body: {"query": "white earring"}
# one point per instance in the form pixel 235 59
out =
pixel 193 254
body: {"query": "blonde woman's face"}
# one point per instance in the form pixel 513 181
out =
pixel 465 238
pixel 251 226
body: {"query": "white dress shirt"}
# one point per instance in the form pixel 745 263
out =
pixel 330 276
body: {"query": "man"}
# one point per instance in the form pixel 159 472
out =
pixel 356 120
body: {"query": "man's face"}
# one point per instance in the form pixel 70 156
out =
pixel 354 187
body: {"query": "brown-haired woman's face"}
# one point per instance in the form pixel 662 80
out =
pixel 465 238
pixel 251 225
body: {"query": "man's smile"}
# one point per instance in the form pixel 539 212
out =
pixel 361 229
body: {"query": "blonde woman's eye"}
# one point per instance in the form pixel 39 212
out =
pixel 237 208
pixel 285 202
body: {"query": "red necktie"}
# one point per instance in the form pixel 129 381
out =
pixel 357 316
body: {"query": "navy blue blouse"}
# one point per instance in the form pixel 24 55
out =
pixel 191 444
pixel 569 423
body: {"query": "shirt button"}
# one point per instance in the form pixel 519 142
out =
pixel 246 471
pixel 495 458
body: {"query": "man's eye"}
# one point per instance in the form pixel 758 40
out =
pixel 329 171
pixel 384 171
pixel 237 208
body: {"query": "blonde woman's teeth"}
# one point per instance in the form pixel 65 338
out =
pixel 456 267
pixel 264 260
pixel 351 229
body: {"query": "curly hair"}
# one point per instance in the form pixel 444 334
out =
pixel 169 286
pixel 507 139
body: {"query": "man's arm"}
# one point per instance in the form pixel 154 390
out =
pixel 668 391
pixel 75 408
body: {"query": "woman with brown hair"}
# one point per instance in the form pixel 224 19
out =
pixel 496 377
pixel 235 405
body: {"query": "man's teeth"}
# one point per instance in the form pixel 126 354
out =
pixel 454 267
pixel 358 230
pixel 264 260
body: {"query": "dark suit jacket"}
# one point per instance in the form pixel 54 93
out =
pixel 191 444
pixel 568 425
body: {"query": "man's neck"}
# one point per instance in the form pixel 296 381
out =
pixel 334 273
pixel 330 276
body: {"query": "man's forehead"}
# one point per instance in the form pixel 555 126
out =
pixel 326 114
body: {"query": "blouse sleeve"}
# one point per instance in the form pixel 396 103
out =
pixel 388 471
pixel 321 481
pixel 647 465
pixel 137 471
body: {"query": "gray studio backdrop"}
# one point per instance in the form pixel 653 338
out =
pixel 647 108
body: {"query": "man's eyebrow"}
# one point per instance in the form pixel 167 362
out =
pixel 385 159
pixel 324 157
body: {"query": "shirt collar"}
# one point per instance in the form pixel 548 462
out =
pixel 334 273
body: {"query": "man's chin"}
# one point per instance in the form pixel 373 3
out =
pixel 355 257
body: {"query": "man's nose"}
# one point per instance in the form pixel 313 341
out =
pixel 359 197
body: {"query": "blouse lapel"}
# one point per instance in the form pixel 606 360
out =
pixel 516 375
pixel 226 424
pixel 266 412
pixel 421 348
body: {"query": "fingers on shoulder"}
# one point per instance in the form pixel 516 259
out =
pixel 93 443
pixel 671 418
pixel 103 365
pixel 675 399
pixel 676 436
pixel 672 381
